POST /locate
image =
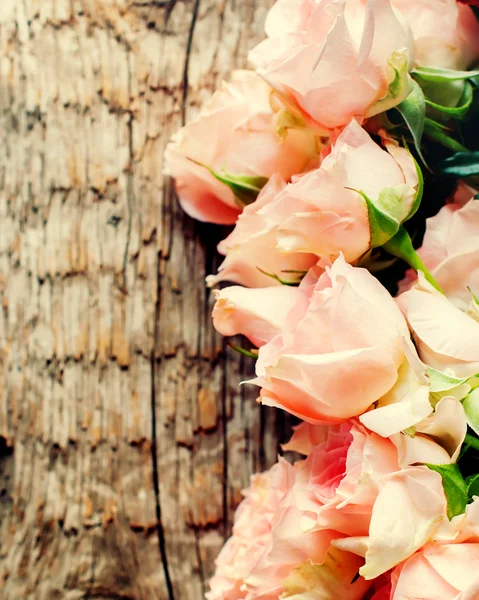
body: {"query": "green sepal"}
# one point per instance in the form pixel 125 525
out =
pixel 437 132
pixel 471 409
pixel 455 488
pixel 413 111
pixel 459 111
pixel 441 382
pixel 440 75
pixel 245 187
pixel 400 86
pixel 381 225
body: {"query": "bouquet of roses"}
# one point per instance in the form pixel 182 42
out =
pixel 348 162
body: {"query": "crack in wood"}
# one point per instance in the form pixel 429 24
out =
pixel 154 442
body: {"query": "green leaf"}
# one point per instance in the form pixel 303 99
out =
pixel 413 111
pixel 461 164
pixel 471 408
pixel 459 111
pixel 472 483
pixel 455 488
pixel 440 75
pixel 436 131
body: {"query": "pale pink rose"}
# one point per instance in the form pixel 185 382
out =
pixel 321 213
pixel 338 351
pixel 447 338
pixel 269 554
pixel 445 572
pixel 446 33
pixel 257 314
pixel 450 249
pixel 235 133
pixel 352 482
pixel 335 59
pixel 252 248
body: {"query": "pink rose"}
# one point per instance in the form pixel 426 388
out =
pixel 338 351
pixel 446 327
pixel 447 338
pixel 352 482
pixel 445 572
pixel 234 134
pixel 450 249
pixel 252 248
pixel 269 554
pixel 446 34
pixel 305 530
pixel 321 213
pixel 335 59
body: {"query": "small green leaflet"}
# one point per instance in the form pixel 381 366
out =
pixel 440 75
pixel 461 164
pixel 455 488
pixel 413 111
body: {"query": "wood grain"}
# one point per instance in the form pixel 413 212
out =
pixel 125 438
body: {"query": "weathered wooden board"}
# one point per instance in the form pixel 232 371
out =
pixel 124 437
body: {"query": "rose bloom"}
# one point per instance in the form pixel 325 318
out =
pixel 338 351
pixel 335 59
pixel 268 552
pixel 293 531
pixel 446 327
pixel 321 213
pixel 235 133
pixel 446 33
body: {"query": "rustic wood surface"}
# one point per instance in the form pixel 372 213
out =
pixel 124 437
